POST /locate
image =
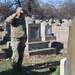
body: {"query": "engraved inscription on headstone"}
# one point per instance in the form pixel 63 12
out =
pixel 63 35
pixel 34 32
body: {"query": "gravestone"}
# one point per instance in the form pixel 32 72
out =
pixel 57 22
pixel 50 22
pixel 2 34
pixel 66 23
pixel 34 32
pixel 54 29
pixel 2 54
pixel 43 24
pixel 70 62
pixel 37 21
pixel 46 31
pixel 7 28
pixel 29 20
pixel 63 66
pixel 63 32
pixel 34 44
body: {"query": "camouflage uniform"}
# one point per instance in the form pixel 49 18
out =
pixel 18 38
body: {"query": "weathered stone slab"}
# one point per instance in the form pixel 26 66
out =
pixel 38 45
pixel 62 35
pixel 44 51
pixel 2 54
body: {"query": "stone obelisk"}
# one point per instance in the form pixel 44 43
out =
pixel 70 62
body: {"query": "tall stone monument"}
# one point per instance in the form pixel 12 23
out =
pixel 70 62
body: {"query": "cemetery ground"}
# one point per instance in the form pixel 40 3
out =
pixel 35 65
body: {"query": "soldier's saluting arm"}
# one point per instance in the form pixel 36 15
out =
pixel 10 18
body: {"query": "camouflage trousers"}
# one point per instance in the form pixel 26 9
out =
pixel 18 46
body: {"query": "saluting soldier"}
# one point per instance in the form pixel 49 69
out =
pixel 18 37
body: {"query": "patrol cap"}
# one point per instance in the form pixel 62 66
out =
pixel 20 9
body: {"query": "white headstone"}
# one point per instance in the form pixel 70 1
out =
pixel 54 29
pixel 29 20
pixel 43 24
pixel 46 30
pixel 63 66
pixel 37 21
pixel 63 33
pixel 66 23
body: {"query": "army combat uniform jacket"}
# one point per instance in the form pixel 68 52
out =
pixel 18 26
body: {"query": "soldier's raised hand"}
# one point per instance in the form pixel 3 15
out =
pixel 18 13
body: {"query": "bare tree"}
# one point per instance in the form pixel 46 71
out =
pixel 48 10
pixel 40 10
pixel 31 6
pixel 4 9
pixel 68 9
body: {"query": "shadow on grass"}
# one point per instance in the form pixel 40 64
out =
pixel 37 69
